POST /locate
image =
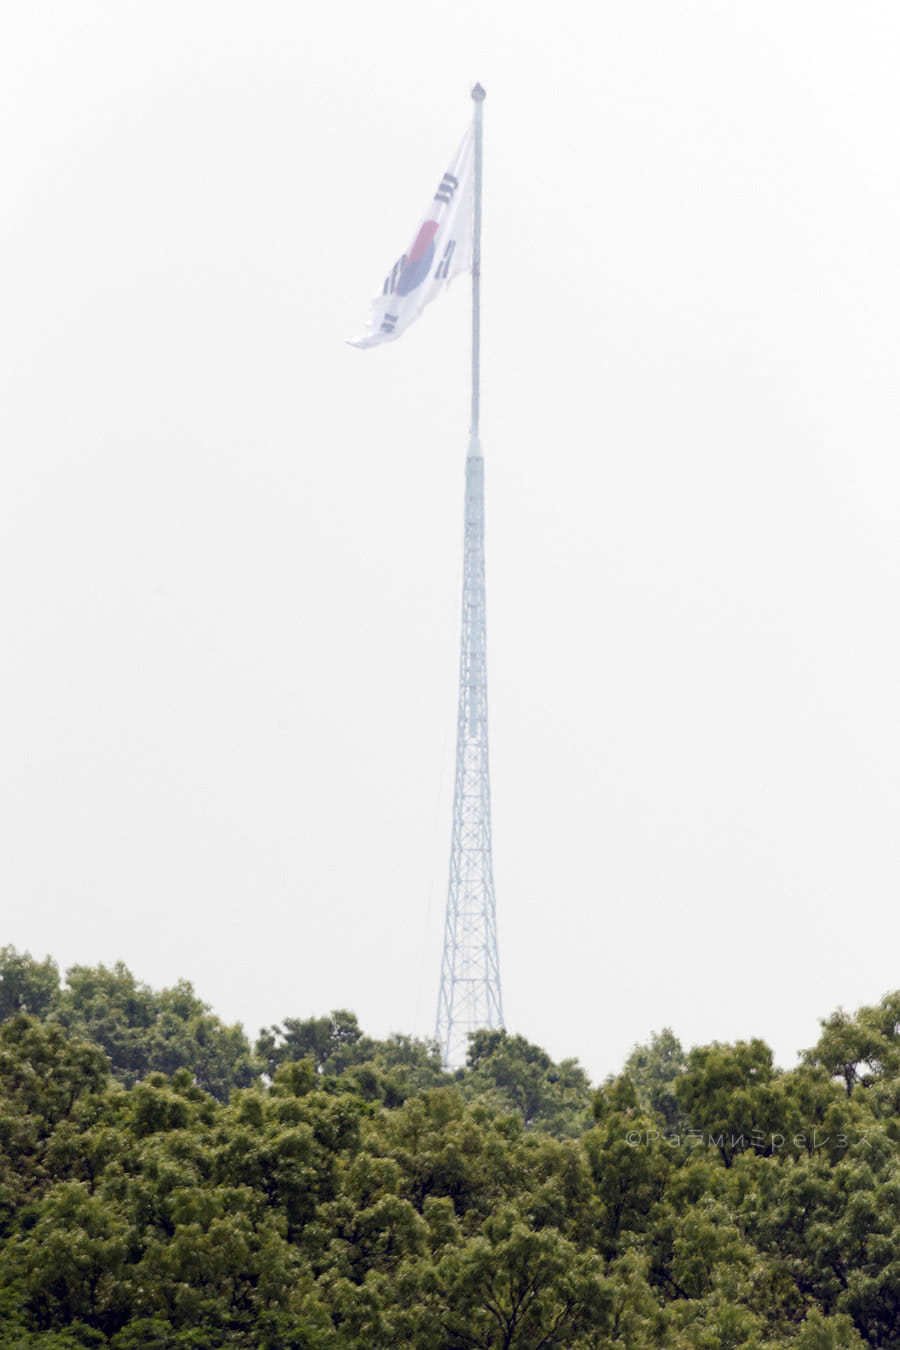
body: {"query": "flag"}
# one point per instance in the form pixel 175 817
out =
pixel 441 248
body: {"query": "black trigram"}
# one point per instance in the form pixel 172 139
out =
pixel 443 268
pixel 390 281
pixel 389 323
pixel 446 188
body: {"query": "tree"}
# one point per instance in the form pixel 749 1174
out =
pixel 333 1043
pixel 727 1093
pixel 44 1070
pixel 869 1037
pixel 147 1032
pixel 512 1286
pixel 356 1197
pixel 654 1069
pixel 519 1076
pixel 26 985
pixel 73 1260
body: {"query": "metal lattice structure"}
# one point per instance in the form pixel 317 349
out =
pixel 470 995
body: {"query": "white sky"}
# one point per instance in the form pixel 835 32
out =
pixel 230 544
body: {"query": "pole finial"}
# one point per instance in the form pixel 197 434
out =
pixel 479 94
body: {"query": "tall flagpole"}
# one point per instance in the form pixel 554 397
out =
pixel 470 996
pixel 478 96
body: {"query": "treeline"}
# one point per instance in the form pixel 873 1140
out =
pixel 164 1183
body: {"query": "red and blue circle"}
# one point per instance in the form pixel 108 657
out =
pixel 419 259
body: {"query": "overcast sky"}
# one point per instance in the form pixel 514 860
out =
pixel 230 544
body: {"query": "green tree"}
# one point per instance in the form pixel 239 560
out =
pixel 654 1069
pixel 355 1196
pixel 869 1037
pixel 516 1075
pixel 512 1286
pixel 26 985
pixel 44 1070
pixel 333 1043
pixel 728 1094
pixel 72 1261
pixel 143 1031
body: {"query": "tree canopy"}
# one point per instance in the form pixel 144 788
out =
pixel 165 1185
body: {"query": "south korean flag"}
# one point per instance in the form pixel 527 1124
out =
pixel 441 248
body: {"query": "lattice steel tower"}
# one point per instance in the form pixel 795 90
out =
pixel 469 996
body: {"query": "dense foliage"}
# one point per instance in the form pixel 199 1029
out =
pixel 164 1184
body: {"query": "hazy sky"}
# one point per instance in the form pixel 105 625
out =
pixel 230 544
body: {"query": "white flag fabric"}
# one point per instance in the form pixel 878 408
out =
pixel 440 250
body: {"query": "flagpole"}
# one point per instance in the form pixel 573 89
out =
pixel 469 996
pixel 478 96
